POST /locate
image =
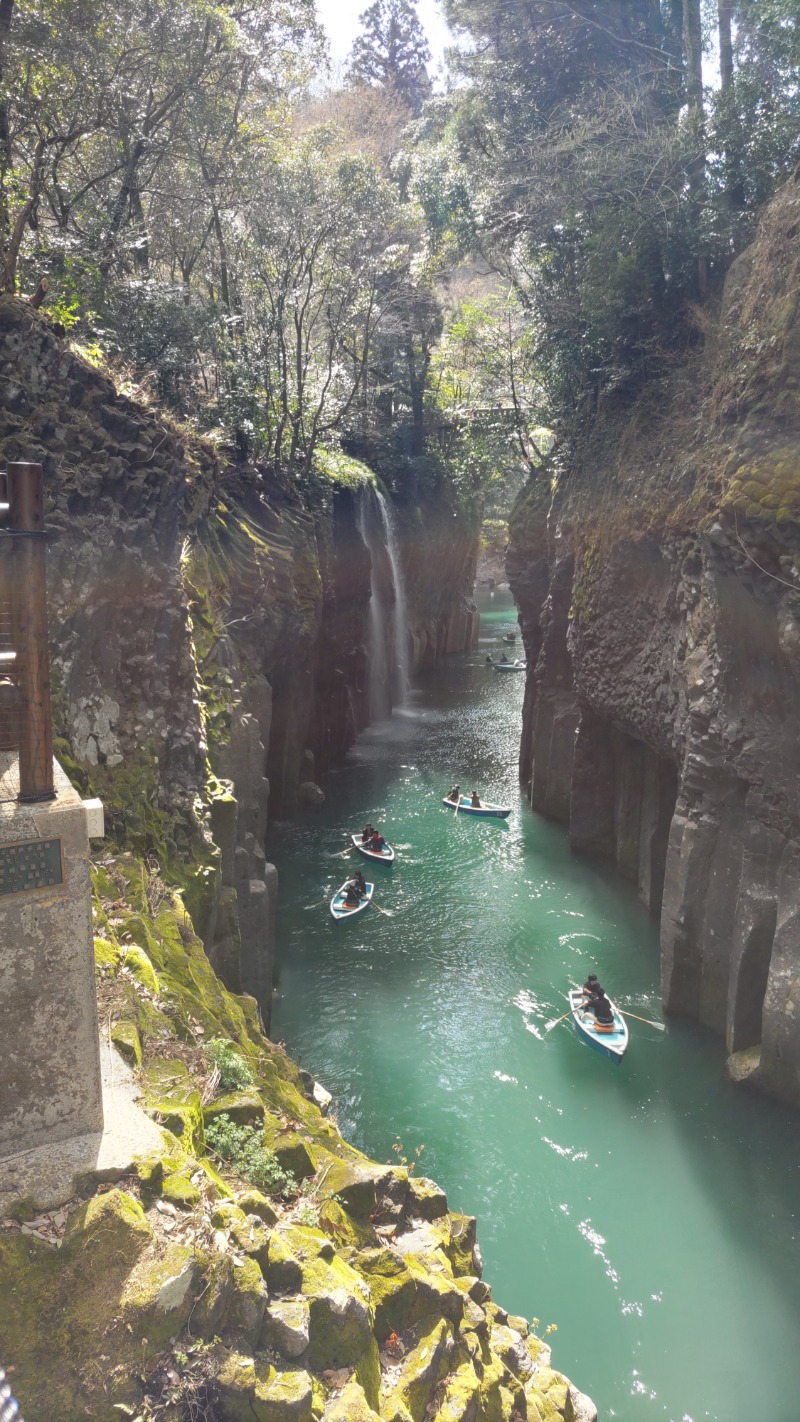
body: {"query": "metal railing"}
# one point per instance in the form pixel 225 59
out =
pixel 9 1409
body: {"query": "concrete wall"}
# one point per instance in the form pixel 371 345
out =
pixel 50 1085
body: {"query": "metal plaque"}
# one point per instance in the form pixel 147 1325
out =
pixel 34 864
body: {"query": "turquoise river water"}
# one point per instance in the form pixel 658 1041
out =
pixel 649 1210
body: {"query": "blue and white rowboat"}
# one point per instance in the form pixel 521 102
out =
pixel 340 909
pixel 489 812
pixel 509 666
pixel 609 1044
pixel 380 856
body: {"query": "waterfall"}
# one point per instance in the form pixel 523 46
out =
pixel 387 649
pixel 401 678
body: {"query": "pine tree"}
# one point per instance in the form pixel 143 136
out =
pixel 391 52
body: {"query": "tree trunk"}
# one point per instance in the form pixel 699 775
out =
pixel 725 44
pixel 6 10
pixel 693 51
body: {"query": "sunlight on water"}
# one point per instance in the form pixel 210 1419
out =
pixel 648 1209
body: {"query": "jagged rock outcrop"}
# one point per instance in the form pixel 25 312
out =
pixel 662 717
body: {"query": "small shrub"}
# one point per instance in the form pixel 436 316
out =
pixel 234 1073
pixel 244 1149
pixel 307 1214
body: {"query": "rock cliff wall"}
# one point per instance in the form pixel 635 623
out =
pixel 659 589
pixel 208 628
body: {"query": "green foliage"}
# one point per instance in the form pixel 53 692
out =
pixel 244 1149
pixel 234 1073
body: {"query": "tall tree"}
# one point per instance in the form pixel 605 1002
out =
pixel 391 52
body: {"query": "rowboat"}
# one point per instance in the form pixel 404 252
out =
pixel 611 1044
pixel 340 909
pixel 509 637
pixel 381 856
pixel 490 812
pixel 509 666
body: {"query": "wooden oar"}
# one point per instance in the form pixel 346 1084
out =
pixel 317 904
pixel 551 1025
pixel 458 802
pixel 662 1026
pixel 388 912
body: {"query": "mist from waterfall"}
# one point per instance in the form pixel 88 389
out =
pixel 387 650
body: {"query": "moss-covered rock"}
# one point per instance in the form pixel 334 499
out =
pixel 294 1153
pixel 421 1370
pixel 344 1229
pixel 173 1099
pixel 354 1186
pixel 106 954
pixel 180 1190
pixel 249 1301
pixel 287 1327
pixel 461 1396
pixel 158 1295
pixel 460 1248
pixel 135 959
pixel 127 1042
pixel 252 1390
pixel 340 1317
pixel 428 1201
pixel 285 1272
pixel 350 1406
pixel 252 1202
pixel 245 1108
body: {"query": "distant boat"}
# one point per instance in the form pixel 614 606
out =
pixel 611 1044
pixel 509 636
pixel 491 812
pixel 381 856
pixel 509 666
pixel 340 909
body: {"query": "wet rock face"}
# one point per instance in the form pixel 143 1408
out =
pixel 662 714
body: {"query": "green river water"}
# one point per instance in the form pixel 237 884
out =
pixel 649 1209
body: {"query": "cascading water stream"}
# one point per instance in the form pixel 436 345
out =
pixel 400 610
pixel 387 650
pixel 380 703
